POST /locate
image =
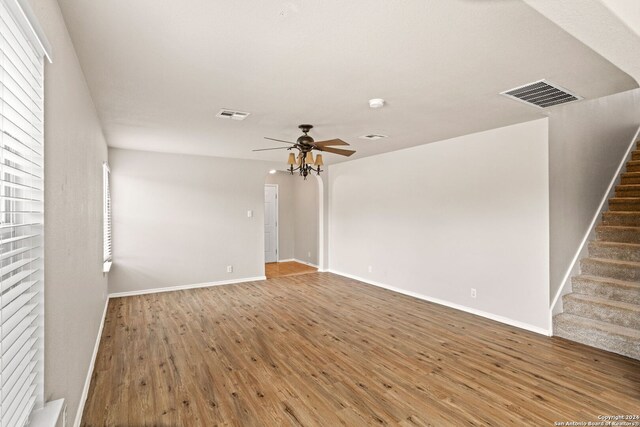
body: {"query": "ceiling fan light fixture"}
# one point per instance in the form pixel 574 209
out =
pixel 305 162
pixel 309 158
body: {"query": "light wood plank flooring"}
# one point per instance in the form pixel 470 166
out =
pixel 322 350
pixel 288 268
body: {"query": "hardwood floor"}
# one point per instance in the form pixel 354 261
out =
pixel 323 350
pixel 288 268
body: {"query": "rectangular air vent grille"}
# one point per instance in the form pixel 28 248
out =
pixel 373 136
pixel 542 94
pixel 231 114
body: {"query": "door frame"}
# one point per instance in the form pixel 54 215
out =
pixel 277 222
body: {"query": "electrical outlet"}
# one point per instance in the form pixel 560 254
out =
pixel 473 292
pixel 309 254
pixel 229 268
pixel 249 214
pixel 370 269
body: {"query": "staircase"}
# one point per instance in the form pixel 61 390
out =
pixel 603 309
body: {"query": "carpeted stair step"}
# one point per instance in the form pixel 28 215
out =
pixel 614 250
pixel 633 166
pixel 604 310
pixel 616 233
pixel 630 178
pixel 621 270
pixel 632 190
pixel 603 335
pixel 624 204
pixel 630 219
pixel 606 288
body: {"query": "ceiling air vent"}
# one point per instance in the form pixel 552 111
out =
pixel 372 136
pixel 231 114
pixel 542 94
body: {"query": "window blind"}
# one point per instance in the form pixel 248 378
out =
pixel 106 216
pixel 21 222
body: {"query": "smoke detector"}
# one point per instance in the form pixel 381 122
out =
pixel 376 103
pixel 373 136
pixel 541 94
pixel 232 114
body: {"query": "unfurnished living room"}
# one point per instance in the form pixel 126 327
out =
pixel 319 213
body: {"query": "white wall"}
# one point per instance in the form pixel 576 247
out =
pixel 442 218
pixel 286 213
pixel 75 288
pixel 609 27
pixel 587 141
pixel 306 207
pixel 180 219
pixel 627 10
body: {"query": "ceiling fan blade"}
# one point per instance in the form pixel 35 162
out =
pixel 330 142
pixel 279 140
pixel 337 151
pixel 276 148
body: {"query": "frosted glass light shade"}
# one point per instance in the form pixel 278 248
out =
pixel 292 159
pixel 319 161
pixel 309 159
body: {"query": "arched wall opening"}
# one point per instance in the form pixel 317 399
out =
pixel 294 227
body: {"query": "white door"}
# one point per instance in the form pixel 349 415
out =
pixel 270 223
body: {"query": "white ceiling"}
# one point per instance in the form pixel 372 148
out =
pixel 160 70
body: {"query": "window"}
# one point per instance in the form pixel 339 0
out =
pixel 106 217
pixel 21 219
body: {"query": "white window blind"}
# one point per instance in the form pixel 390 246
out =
pixel 106 217
pixel 21 222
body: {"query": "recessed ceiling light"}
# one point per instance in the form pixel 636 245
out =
pixel 373 136
pixel 376 103
pixel 232 114
pixel 272 171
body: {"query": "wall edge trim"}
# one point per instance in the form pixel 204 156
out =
pixel 87 381
pixel 183 287
pixel 305 263
pixel 485 314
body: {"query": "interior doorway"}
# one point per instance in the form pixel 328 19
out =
pixel 292 228
pixel 270 223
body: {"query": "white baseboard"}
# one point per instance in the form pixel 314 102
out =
pixel 305 263
pixel 182 287
pixel 298 260
pixel 87 381
pixel 574 267
pixel 481 313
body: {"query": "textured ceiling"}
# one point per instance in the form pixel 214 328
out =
pixel 160 70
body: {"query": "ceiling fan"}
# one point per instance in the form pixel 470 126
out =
pixel 304 162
